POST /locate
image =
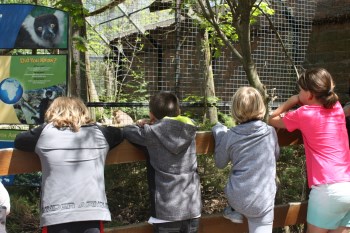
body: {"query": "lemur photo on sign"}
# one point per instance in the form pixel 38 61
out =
pixel 25 26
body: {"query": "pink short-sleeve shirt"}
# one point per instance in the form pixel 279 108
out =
pixel 325 141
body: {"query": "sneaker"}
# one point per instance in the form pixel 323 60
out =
pixel 232 215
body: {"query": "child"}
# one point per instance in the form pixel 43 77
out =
pixel 172 173
pixel 4 207
pixel 252 148
pixel 321 121
pixel 72 150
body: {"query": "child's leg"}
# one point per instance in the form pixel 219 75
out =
pixel 329 208
pixel 75 227
pixel 255 227
pixel 185 226
pixel 313 229
pixel 2 219
pixel 263 224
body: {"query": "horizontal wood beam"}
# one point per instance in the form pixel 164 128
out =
pixel 14 161
pixel 285 215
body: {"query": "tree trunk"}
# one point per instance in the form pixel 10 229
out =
pixel 210 98
pixel 243 30
pixel 91 88
pixel 78 82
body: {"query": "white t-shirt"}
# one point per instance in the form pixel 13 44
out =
pixel 4 198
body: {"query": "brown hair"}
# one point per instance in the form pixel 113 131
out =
pixel 164 104
pixel 68 112
pixel 320 83
pixel 247 105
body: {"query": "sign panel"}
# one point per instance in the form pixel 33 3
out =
pixel 32 27
pixel 28 84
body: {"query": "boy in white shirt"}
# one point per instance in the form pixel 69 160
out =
pixel 4 207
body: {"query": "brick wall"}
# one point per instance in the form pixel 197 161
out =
pixel 329 45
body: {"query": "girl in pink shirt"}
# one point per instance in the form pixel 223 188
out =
pixel 321 121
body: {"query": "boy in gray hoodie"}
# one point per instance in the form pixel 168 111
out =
pixel 173 179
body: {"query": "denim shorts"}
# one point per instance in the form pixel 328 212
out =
pixel 329 205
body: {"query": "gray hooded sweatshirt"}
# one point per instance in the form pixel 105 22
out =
pixel 252 148
pixel 172 175
pixel 73 185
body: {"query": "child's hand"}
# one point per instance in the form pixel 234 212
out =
pixel 346 109
pixel 142 122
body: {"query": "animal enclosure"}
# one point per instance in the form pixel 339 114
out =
pixel 156 47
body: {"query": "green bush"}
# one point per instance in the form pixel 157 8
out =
pixel 24 216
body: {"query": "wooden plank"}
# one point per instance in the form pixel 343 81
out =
pixel 14 161
pixel 286 138
pixel 285 215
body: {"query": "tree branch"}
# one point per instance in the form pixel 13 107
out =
pixel 105 8
pixel 211 19
pixel 272 26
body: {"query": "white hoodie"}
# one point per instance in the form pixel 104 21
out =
pixel 4 198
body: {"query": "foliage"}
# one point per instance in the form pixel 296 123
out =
pixel 30 179
pixel 75 10
pixel 127 193
pixel 226 120
pixel 196 113
pixel 291 171
pixel 225 17
pixel 24 216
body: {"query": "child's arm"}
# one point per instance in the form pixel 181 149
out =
pixel 27 140
pixel 277 147
pixel 113 135
pixel 220 154
pixel 346 109
pixel 276 117
pixel 135 134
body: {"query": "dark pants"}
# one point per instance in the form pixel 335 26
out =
pixel 185 226
pixel 75 227
pixel 2 219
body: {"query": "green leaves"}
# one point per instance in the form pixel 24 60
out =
pixel 259 9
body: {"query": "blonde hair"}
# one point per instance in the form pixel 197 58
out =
pixel 247 105
pixel 68 112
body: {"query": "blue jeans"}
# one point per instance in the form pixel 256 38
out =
pixel 184 226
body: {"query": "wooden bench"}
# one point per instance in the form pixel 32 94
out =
pixel 14 161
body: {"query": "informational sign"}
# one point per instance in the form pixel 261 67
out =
pixel 32 27
pixel 28 84
pixel 7 136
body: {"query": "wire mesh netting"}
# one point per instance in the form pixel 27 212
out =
pixel 156 48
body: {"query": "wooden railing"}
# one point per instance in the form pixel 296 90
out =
pixel 14 161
